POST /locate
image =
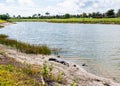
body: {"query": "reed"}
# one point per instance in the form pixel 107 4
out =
pixel 24 47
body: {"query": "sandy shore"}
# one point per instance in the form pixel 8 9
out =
pixel 72 71
pixel 6 23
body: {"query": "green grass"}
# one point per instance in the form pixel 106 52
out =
pixel 73 20
pixel 12 76
pixel 2 21
pixel 14 73
pixel 24 47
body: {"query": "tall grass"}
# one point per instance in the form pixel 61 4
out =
pixel 24 47
pixel 73 20
pixel 1 26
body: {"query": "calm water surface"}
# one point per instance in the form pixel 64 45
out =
pixel 96 45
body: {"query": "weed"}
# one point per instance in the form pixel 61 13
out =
pixel 60 77
pixel 73 83
pixel 45 70
pixel 3 53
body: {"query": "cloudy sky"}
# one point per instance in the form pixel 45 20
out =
pixel 29 7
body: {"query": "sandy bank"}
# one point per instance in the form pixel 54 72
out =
pixel 6 24
pixel 72 72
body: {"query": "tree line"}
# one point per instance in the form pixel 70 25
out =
pixel 4 16
pixel 108 14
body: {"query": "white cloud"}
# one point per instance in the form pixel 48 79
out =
pixel 29 7
pixel 77 6
pixel 10 1
pixel 26 2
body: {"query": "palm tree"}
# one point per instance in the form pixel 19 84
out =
pixel 47 13
pixel 118 13
pixel 39 15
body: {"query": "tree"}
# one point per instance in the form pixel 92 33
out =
pixel 67 15
pixel 19 16
pixel 57 16
pixel 47 13
pixel 110 13
pixel 14 16
pixel 93 15
pixel 5 16
pixel 39 15
pixel 84 15
pixel 98 15
pixel 89 15
pixel 118 13
pixel 34 15
pixel 8 16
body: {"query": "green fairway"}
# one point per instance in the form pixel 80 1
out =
pixel 73 20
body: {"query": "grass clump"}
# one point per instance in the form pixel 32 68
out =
pixel 1 26
pixel 47 72
pixel 3 53
pixel 12 76
pixel 24 47
pixel 73 83
pixel 3 36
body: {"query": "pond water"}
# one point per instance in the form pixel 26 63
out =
pixel 96 45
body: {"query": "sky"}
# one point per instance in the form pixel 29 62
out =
pixel 30 7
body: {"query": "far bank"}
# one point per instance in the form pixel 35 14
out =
pixel 73 20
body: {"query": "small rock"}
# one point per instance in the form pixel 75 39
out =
pixel 58 56
pixel 52 59
pixel 74 65
pixel 97 80
pixel 105 84
pixel 84 65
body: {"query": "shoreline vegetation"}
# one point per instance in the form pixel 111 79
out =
pixel 26 74
pixel 1 23
pixel 1 27
pixel 24 47
pixel 73 20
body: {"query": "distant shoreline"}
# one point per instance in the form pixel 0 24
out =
pixel 74 20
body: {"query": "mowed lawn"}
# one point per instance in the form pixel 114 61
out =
pixel 73 20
